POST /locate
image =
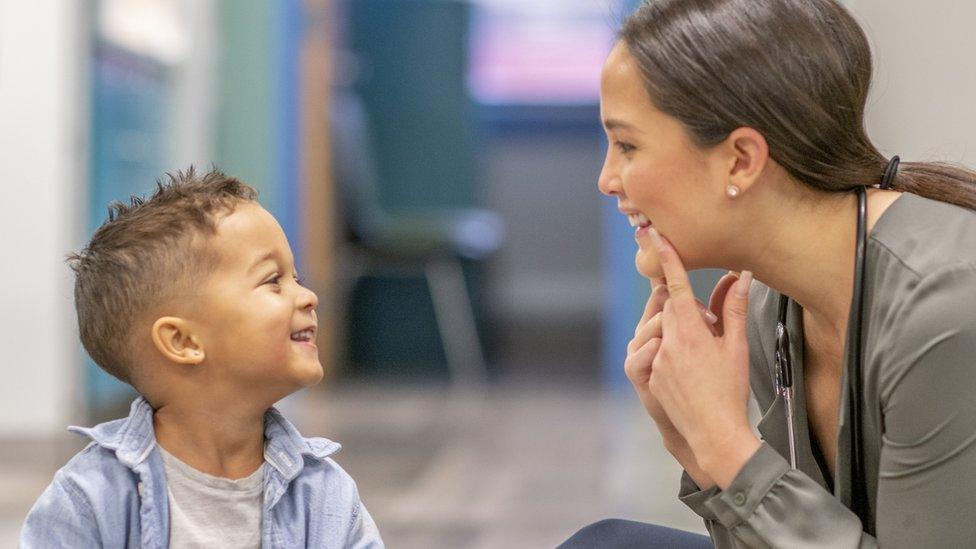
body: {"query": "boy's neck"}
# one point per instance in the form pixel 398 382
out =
pixel 228 443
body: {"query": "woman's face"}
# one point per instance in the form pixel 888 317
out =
pixel 655 170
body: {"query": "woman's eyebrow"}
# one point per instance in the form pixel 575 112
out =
pixel 616 123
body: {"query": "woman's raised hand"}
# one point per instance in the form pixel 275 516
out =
pixel 640 357
pixel 647 340
pixel 699 376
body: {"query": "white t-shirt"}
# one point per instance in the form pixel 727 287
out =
pixel 207 511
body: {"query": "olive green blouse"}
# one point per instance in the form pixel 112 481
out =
pixel 918 405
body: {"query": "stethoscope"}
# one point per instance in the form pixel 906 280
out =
pixel 784 360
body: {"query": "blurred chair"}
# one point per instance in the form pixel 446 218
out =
pixel 430 243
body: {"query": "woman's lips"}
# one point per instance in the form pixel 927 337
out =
pixel 642 231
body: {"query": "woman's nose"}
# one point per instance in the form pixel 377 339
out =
pixel 609 181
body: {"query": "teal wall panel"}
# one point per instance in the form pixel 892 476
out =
pixel 258 97
pixel 245 95
pixel 414 56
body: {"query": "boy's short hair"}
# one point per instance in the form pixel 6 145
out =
pixel 147 252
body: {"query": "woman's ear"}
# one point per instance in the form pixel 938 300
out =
pixel 748 154
pixel 173 338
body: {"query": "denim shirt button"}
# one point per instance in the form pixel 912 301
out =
pixel 139 489
pixel 739 499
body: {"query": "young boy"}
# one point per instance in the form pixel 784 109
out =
pixel 191 297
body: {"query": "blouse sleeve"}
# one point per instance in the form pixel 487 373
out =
pixel 927 469
pixel 770 505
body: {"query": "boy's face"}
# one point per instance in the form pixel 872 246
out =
pixel 254 317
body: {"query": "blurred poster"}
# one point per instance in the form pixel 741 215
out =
pixel 541 52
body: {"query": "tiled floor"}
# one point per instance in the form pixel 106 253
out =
pixel 521 465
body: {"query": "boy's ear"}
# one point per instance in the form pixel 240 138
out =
pixel 175 341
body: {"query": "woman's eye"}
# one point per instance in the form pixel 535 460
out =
pixel 624 147
pixel 275 280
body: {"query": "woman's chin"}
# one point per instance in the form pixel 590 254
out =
pixel 648 264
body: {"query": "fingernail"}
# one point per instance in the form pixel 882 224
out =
pixel 734 273
pixel 656 238
pixel 710 317
pixel 742 286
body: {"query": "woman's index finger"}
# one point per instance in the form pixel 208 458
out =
pixel 679 286
pixel 655 303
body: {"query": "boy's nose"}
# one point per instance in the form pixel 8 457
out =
pixel 307 299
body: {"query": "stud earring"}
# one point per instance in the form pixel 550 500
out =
pixel 732 191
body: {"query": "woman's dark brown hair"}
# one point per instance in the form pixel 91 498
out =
pixel 797 71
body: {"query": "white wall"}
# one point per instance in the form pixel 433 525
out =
pixel 42 93
pixel 923 102
pixel 193 122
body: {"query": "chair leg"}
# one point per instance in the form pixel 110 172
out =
pixel 456 322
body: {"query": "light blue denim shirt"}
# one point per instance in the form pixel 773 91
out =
pixel 113 493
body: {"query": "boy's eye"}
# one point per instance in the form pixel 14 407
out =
pixel 276 280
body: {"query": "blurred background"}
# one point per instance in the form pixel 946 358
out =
pixel 434 165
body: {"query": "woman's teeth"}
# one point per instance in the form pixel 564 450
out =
pixel 304 335
pixel 638 220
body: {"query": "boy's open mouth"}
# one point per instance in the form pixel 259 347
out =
pixel 306 335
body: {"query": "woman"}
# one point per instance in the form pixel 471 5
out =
pixel 737 141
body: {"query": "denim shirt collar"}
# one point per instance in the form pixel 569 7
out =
pixel 133 439
pixel 286 447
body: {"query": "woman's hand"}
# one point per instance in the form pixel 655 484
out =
pixel 647 340
pixel 640 356
pixel 699 375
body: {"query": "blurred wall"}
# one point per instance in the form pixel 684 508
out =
pixel 921 105
pixel 42 174
pixel 542 179
pixel 194 89
pixel 257 94
pixel 245 95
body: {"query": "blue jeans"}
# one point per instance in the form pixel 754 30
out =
pixel 627 534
